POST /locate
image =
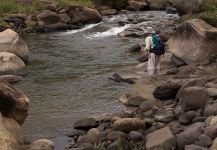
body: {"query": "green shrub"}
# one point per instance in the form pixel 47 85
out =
pixel 117 4
pixel 210 18
pixel 66 3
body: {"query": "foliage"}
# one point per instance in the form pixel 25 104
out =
pixel 66 3
pixel 210 17
pixel 117 4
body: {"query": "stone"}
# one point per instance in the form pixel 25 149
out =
pixel 42 144
pixel 76 133
pixel 128 124
pixel 194 98
pixel 214 145
pixel 186 117
pixel 199 119
pixel 10 137
pixel 84 15
pixel 194 41
pixel 172 71
pixel 164 115
pixel 13 102
pixel 170 10
pixel 194 147
pixel 190 135
pixel 185 6
pixel 137 5
pixel 109 12
pixel 87 146
pixel 210 110
pixel 143 58
pixel 146 106
pixel 166 91
pixel 192 82
pixel 157 4
pixel 212 92
pixel 95 131
pixel 11 65
pixel 85 123
pixel 177 62
pixel 211 120
pixel 11 42
pixel 211 131
pixel 204 141
pixel 134 48
pixel 88 138
pixel 161 139
pixel 11 78
pixel 116 135
pixel 135 136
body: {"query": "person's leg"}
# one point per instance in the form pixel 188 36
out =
pixel 157 64
pixel 151 64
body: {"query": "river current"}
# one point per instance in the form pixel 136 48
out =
pixel 68 76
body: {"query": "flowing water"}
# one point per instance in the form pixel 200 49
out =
pixel 68 76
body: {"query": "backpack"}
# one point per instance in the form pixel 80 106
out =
pixel 159 46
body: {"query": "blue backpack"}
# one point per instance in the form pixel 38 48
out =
pixel 159 46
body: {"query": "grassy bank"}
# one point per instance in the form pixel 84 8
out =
pixel 33 6
pixel 209 13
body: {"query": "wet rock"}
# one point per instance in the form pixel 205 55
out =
pixel 85 123
pixel 193 41
pixel 194 98
pixel 143 58
pixel 210 110
pixel 84 15
pixel 128 124
pixel 88 138
pixel 186 117
pixel 166 91
pixel 190 135
pixel 194 147
pixel 87 146
pixel 121 78
pixel 177 62
pixel 170 10
pixel 172 71
pixel 176 128
pixel 204 141
pixel 211 131
pixel 109 12
pixel 42 144
pixel 11 42
pixel 199 119
pixel 192 82
pixel 212 92
pixel 116 135
pixel 123 114
pixel 146 106
pixel 13 103
pixel 135 136
pixel 11 78
pixel 11 64
pixel 214 145
pixel 134 48
pixel 211 120
pixel 161 139
pixel 164 116
pixel 76 133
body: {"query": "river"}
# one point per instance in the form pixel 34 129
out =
pixel 68 76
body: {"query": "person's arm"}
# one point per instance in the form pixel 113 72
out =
pixel 147 44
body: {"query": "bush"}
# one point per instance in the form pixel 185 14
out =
pixel 66 3
pixel 210 18
pixel 117 4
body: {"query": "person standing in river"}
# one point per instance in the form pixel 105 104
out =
pixel 155 48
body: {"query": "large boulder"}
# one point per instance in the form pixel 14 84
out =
pixel 194 41
pixel 161 139
pixel 84 15
pixel 194 98
pixel 13 102
pixel 186 6
pixel 11 42
pixel 10 137
pixel 158 4
pixel 10 64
